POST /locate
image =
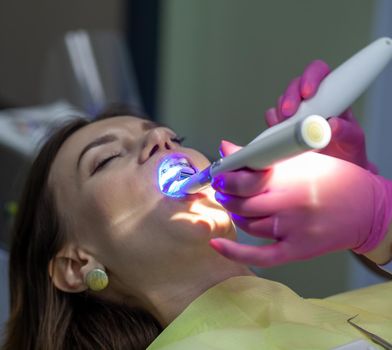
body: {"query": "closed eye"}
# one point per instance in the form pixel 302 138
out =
pixel 178 139
pixel 102 163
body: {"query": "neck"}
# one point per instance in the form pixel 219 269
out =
pixel 168 300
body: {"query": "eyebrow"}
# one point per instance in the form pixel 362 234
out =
pixel 148 125
pixel 95 143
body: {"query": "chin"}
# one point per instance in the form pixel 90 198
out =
pixel 207 217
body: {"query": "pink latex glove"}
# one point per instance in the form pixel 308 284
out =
pixel 348 139
pixel 309 205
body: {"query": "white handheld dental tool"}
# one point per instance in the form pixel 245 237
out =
pixel 306 129
pixel 313 132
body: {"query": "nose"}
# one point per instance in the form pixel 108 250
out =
pixel 157 139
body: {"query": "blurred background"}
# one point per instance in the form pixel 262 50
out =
pixel 207 68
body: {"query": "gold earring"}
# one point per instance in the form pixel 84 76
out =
pixel 97 279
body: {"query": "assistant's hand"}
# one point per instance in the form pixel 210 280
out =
pixel 309 205
pixel 348 140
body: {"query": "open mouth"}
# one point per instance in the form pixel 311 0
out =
pixel 171 171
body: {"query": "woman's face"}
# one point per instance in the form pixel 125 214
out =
pixel 105 181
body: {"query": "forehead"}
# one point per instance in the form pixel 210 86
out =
pixel 128 124
pixel 72 147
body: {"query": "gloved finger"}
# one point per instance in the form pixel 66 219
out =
pixel 372 168
pixel 226 148
pixel 241 183
pixel 313 74
pixel 258 227
pixel 291 98
pixel 264 256
pixel 347 133
pixel 348 115
pixel 278 109
pixel 271 117
pixel 265 204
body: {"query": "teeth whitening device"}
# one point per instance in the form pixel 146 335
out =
pixel 307 129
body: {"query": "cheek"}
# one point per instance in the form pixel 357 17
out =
pixel 117 200
pixel 118 221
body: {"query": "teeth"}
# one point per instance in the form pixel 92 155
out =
pixel 174 169
pixel 177 162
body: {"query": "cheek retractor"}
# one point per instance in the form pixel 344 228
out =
pixel 307 129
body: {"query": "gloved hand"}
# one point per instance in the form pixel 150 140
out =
pixel 348 140
pixel 310 205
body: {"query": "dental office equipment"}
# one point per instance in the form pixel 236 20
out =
pixel 375 338
pixel 335 94
pixel 313 132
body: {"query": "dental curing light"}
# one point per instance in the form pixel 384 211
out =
pixel 310 133
pixel 306 129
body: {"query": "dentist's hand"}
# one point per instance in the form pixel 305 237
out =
pixel 348 140
pixel 309 205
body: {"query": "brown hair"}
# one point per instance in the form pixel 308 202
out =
pixel 43 317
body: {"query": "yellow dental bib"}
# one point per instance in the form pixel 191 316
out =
pixel 255 313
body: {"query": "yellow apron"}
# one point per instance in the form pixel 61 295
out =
pixel 255 313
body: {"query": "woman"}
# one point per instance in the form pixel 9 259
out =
pixel 92 205
pixel 92 201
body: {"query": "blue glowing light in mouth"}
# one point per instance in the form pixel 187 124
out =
pixel 171 172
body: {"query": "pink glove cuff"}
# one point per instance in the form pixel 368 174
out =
pixel 382 215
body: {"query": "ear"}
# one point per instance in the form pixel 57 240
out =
pixel 69 268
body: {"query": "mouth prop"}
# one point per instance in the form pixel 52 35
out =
pixel 171 171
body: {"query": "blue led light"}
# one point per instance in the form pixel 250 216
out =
pixel 174 190
pixel 170 178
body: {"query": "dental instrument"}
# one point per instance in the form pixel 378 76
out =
pixel 313 132
pixel 335 94
pixel 375 338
